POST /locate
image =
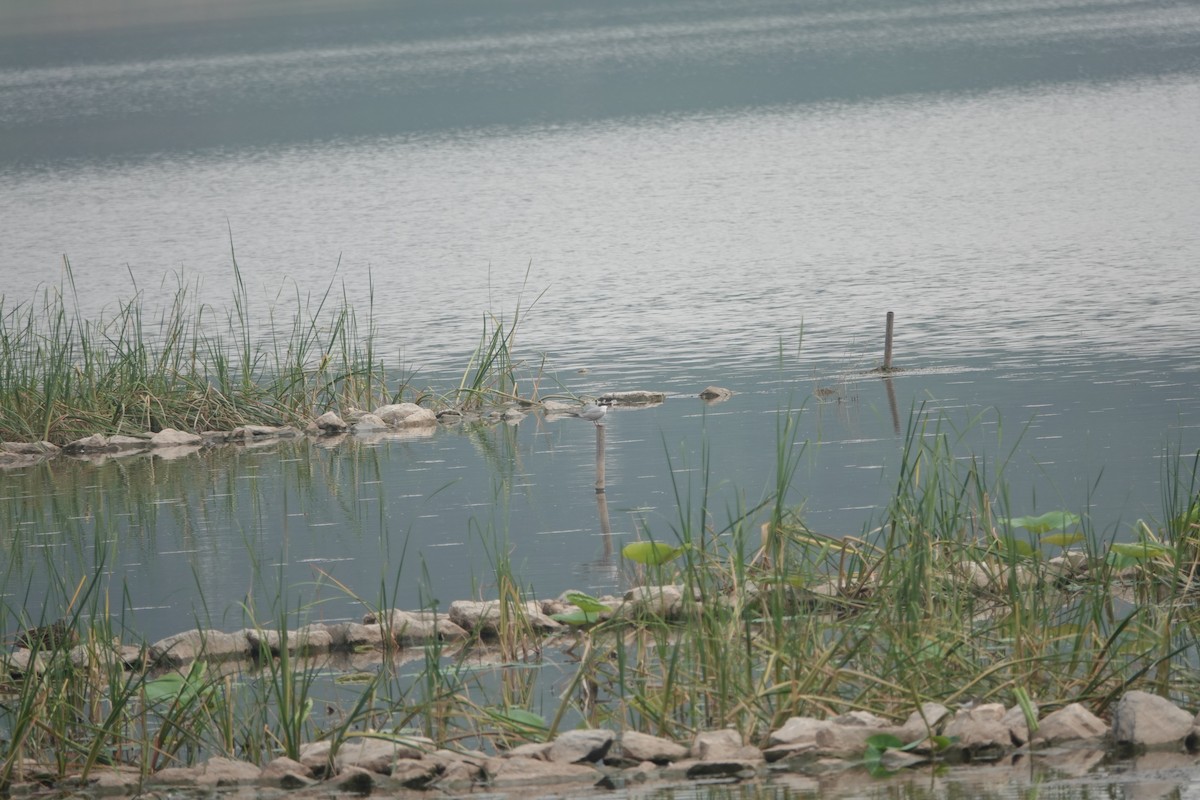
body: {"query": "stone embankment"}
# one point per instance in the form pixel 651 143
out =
pixel 366 762
pixel 395 419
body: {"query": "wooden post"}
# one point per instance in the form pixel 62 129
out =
pixel 887 343
pixel 600 458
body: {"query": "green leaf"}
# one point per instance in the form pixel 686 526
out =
pixel 176 686
pixel 1062 539
pixel 1139 552
pixel 885 741
pixel 1050 521
pixel 577 617
pixel 518 719
pixel 650 553
pixel 1018 548
pixel 585 602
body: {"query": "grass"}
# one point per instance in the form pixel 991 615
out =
pixel 192 367
pixel 938 601
pixel 945 597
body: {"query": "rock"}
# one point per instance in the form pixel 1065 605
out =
pixel 573 747
pixel 369 753
pixel 643 747
pixel 1070 723
pixel 286 773
pixel 723 745
pixel 715 394
pixel 89 444
pixel 169 437
pixel 635 398
pixel 509 772
pixel 356 637
pixel 217 771
pixel 119 442
pixel 330 422
pixel 512 415
pixel 183 648
pixel 404 415
pixel 29 448
pixel 797 730
pixel 22 662
pixel 924 721
pixel 251 432
pixel 1141 719
pixel 847 735
pixel 369 422
pixel 662 602
pixel 980 730
pixel 414 773
pixel 1018 726
pixel 114 780
pixel 315 638
pixel 416 627
pixel 355 780
pixel 459 770
pixel 485 617
pixel 536 750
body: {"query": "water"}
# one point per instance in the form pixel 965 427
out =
pixel 698 193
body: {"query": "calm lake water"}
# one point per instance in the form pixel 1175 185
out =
pixel 698 192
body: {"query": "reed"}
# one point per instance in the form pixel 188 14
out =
pixel 191 366
pixel 945 597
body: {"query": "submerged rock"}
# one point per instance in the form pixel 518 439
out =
pixel 715 394
pixel 95 443
pixel 169 437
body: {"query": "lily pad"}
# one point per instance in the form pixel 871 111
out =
pixel 1050 521
pixel 585 602
pixel 650 553
pixel 1062 539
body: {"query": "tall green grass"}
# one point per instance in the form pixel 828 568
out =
pixel 189 366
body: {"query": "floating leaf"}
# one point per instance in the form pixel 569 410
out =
pixel 1062 539
pixel 1050 521
pixel 585 602
pixel 1015 547
pixel 885 741
pixel 176 686
pixel 650 553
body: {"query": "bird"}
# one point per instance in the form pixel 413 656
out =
pixel 594 412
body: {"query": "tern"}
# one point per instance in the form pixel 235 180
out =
pixel 594 412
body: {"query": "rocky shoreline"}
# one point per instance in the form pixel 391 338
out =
pixel 394 419
pixel 373 762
